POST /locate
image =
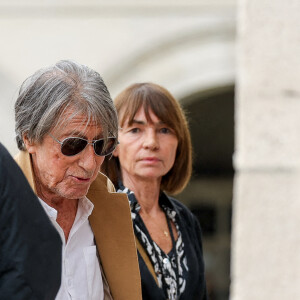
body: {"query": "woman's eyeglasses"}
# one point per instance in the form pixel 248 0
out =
pixel 71 146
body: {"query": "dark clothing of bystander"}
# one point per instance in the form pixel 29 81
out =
pixel 30 247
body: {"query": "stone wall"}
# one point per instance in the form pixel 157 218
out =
pixel 266 240
pixel 186 46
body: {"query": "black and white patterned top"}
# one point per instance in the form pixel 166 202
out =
pixel 171 268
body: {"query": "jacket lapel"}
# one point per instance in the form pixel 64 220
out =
pixel 24 161
pixel 112 226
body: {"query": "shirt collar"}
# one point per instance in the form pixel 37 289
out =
pixel 164 200
pixel 134 205
pixel 51 212
pixel 85 206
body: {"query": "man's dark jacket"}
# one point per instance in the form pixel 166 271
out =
pixel 30 247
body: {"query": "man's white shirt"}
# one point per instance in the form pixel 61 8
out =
pixel 81 275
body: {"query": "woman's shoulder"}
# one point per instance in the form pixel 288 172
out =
pixel 177 204
pixel 183 210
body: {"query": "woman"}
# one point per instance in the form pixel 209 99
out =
pixel 154 157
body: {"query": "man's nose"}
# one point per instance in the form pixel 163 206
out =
pixel 88 159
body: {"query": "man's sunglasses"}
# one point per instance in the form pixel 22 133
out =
pixel 71 146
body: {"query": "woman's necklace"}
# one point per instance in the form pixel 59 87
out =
pixel 159 228
pixel 166 261
pixel 160 259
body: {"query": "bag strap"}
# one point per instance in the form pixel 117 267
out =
pixel 146 259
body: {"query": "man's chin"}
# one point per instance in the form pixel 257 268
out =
pixel 76 194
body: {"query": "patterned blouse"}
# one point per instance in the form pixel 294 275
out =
pixel 171 268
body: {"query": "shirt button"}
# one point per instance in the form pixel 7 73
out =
pixel 165 261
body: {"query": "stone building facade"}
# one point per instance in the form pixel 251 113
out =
pixel 266 243
pixel 247 149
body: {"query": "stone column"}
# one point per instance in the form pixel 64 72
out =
pixel 265 260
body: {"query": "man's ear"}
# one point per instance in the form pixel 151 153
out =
pixel 30 146
pixel 116 152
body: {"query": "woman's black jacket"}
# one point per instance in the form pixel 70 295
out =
pixel 191 234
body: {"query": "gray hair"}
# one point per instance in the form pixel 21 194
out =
pixel 45 96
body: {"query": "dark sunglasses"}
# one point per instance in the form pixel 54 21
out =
pixel 71 146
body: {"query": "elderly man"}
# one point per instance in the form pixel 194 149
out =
pixel 65 125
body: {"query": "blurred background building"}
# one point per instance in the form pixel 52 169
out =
pixel 188 46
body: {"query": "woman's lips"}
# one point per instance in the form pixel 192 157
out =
pixel 150 159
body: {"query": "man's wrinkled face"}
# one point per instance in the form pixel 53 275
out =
pixel 65 177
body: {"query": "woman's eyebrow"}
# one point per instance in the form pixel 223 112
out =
pixel 138 122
